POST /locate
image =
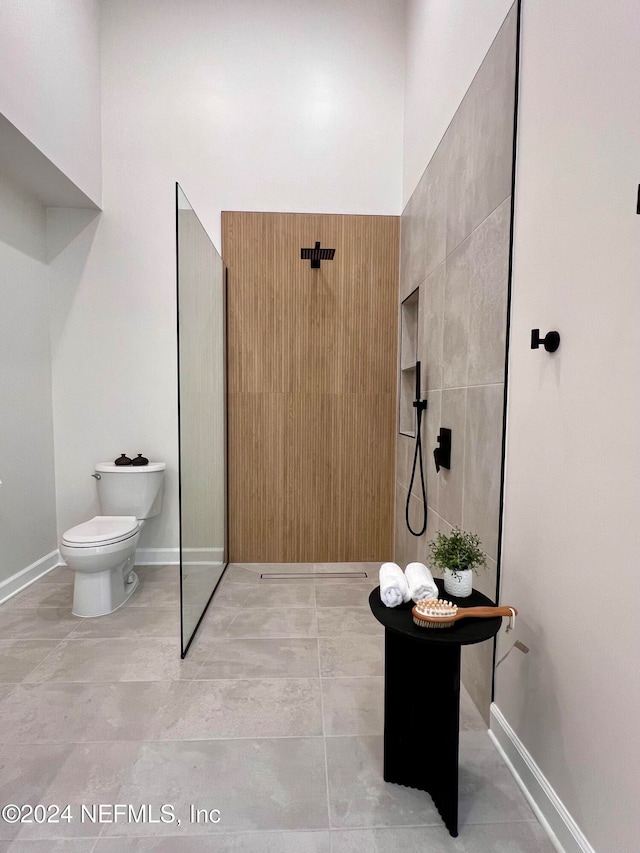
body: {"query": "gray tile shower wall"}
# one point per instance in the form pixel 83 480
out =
pixel 455 249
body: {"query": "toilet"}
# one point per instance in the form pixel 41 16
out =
pixel 101 551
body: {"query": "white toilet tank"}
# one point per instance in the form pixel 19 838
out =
pixel 130 489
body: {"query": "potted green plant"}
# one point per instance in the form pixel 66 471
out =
pixel 458 555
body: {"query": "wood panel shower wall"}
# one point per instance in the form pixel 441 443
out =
pixel 312 387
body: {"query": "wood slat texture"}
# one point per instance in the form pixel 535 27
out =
pixel 312 387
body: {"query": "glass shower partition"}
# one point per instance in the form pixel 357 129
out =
pixel 201 301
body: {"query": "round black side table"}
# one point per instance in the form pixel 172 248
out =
pixel 422 698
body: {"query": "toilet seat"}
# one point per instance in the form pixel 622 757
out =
pixel 101 530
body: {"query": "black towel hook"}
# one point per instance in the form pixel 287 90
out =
pixel 551 340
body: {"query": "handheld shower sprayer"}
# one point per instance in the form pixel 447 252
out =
pixel 420 406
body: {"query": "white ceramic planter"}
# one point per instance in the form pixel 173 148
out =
pixel 459 584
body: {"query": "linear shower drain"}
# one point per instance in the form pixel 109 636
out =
pixel 278 576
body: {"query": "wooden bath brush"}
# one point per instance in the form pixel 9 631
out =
pixel 435 613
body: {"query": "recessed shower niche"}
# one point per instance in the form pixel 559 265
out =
pixel 409 312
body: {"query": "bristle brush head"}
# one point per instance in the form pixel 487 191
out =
pixel 434 613
pixel 421 623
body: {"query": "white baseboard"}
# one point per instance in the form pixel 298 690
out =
pixel 157 556
pixel 16 583
pixel 565 834
pixel 171 556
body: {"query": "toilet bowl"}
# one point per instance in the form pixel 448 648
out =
pixel 101 551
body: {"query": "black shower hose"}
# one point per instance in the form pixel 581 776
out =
pixel 417 455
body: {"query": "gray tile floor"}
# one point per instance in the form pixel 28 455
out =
pixel 275 719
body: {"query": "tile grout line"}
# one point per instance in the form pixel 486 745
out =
pixel 257 832
pixel 324 735
pixel 189 680
pixel 40 663
pixel 98 837
pixel 12 686
pixel 238 832
pixel 174 740
pixel 174 637
pixel 210 653
pixel 185 740
pixel 463 387
pixel 475 227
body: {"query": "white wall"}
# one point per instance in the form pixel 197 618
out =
pixel 278 105
pixel 571 543
pixel 291 105
pixel 27 494
pixel 49 103
pixel 50 82
pixel 445 45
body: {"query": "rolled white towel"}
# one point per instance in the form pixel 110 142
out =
pixel 421 582
pixel 394 589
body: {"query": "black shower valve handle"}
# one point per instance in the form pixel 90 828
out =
pixel 442 454
pixel 551 341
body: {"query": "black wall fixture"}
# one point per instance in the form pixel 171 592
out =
pixel 442 454
pixel 316 255
pixel 550 342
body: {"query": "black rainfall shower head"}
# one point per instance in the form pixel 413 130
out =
pixel 316 255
